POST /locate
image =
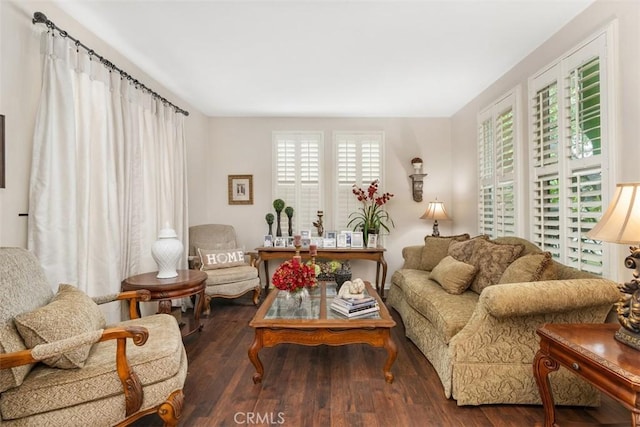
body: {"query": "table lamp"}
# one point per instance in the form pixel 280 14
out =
pixel 435 211
pixel 621 224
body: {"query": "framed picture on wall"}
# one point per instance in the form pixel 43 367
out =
pixel 240 189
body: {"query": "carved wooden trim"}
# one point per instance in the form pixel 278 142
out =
pixel 131 385
pixel 171 410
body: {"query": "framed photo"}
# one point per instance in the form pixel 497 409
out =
pixel 268 241
pixel 330 234
pixel 357 239
pixel 280 242
pixel 305 234
pixel 290 242
pixel 317 241
pixel 240 189
pixel 305 242
pixel 341 241
pixel 329 243
pixel 372 241
pixel 347 234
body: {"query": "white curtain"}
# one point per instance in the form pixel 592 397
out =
pixel 108 171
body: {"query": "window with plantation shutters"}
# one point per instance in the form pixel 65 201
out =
pixel 569 105
pixel 497 202
pixel 358 160
pixel 297 175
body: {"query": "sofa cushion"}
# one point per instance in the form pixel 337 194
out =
pixel 530 268
pixel 47 389
pixel 491 259
pixel 70 313
pixel 447 312
pixel 463 250
pixel 454 276
pixel 212 259
pixel 231 275
pixel 23 287
pixel 529 248
pixel 435 249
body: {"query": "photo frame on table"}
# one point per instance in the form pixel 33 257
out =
pixel 305 234
pixel 317 241
pixel 341 241
pixel 348 234
pixel 357 241
pixel 280 242
pixel 268 241
pixel 328 243
pixel 372 241
pixel 305 242
pixel 240 189
pixel 290 242
pixel 331 235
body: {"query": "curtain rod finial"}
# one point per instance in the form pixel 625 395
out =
pixel 39 17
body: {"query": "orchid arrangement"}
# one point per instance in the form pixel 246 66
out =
pixel 293 276
pixel 371 217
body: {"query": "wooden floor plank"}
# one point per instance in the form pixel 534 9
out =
pixel 333 386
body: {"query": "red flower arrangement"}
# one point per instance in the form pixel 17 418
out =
pixel 293 276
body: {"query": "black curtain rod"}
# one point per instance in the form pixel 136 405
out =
pixel 41 18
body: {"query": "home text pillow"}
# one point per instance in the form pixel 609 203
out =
pixel 454 276
pixel 435 249
pixel 491 259
pixel 212 259
pixel 71 312
pixel 530 268
pixel 463 250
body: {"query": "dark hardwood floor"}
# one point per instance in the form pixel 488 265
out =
pixel 334 386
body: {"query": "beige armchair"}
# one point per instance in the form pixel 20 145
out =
pixel 81 372
pixel 229 282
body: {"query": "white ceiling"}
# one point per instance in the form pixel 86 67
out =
pixel 325 58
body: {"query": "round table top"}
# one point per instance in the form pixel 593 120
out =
pixel 185 278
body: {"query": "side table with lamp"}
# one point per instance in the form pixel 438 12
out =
pixel 606 355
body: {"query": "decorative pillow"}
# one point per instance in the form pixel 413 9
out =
pixel 454 276
pixel 491 259
pixel 212 259
pixel 71 312
pixel 530 268
pixel 435 249
pixel 462 251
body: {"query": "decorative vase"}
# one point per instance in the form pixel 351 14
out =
pixel 295 299
pixel 166 252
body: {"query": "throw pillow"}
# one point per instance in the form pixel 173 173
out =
pixel 212 259
pixel 491 259
pixel 435 249
pixel 454 276
pixel 71 312
pixel 530 268
pixel 462 251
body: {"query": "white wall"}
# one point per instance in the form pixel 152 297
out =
pixel 243 146
pixel 20 80
pixel 597 16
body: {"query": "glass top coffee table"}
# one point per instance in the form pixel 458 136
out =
pixel 279 320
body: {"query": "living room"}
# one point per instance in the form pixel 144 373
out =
pixel 219 146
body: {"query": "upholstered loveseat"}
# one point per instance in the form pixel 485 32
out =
pixel 472 307
pixel 60 365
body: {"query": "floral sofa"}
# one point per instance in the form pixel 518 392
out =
pixel 472 307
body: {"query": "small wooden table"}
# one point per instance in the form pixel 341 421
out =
pixel 368 254
pixel 274 324
pixel 590 351
pixel 187 283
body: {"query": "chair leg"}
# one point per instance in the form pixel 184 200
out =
pixel 256 295
pixel 206 309
pixel 171 410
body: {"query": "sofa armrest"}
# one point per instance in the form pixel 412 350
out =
pixel 132 296
pixel 131 385
pixel 412 256
pixel 552 296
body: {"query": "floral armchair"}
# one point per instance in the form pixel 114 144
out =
pixel 61 365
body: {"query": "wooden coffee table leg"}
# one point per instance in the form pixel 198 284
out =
pixel 542 365
pixel 392 353
pixel 198 309
pixel 253 356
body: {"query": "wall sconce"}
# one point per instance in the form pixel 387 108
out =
pixel 435 211
pixel 417 178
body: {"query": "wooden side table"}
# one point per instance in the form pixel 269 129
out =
pixel 187 283
pixel 590 351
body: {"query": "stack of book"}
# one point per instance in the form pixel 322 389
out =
pixel 351 307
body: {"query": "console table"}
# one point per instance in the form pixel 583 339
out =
pixel 590 351
pixel 371 254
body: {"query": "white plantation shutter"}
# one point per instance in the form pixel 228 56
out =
pixel 570 162
pixel 297 175
pixel 497 203
pixel 358 160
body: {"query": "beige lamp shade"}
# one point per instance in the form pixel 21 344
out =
pixel 436 211
pixel 621 222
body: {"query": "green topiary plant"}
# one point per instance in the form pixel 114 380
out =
pixel 289 211
pixel 278 205
pixel 269 218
